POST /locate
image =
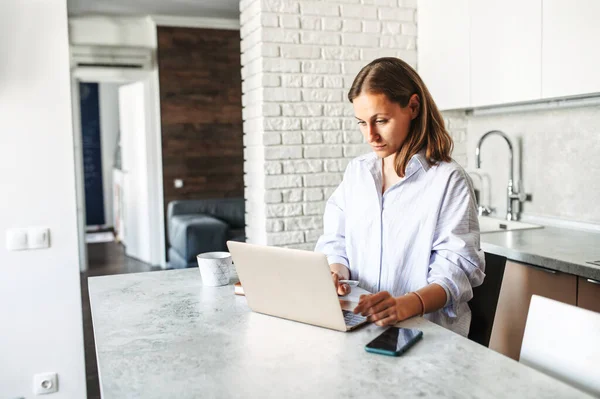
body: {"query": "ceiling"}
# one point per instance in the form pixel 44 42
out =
pixel 184 8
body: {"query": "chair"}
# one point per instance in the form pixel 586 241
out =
pixel 485 299
pixel 561 340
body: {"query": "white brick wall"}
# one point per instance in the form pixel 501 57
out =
pixel 299 59
pixel 456 124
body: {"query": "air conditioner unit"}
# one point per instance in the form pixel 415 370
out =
pixel 111 57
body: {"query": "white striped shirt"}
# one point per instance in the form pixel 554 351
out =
pixel 422 230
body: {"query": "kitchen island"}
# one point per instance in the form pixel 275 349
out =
pixel 564 250
pixel 551 262
pixel 165 335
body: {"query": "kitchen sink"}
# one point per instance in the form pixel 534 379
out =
pixel 488 225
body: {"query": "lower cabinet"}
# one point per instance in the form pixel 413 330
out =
pixel 520 282
pixel 588 294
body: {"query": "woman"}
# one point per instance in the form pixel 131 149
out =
pixel 403 222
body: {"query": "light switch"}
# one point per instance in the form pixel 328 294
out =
pixel 16 239
pixel 38 237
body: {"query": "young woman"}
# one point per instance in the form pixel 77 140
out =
pixel 403 222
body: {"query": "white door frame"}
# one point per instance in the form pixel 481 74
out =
pixel 154 153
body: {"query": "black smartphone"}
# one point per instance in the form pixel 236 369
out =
pixel 394 341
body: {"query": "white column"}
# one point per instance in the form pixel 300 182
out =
pixel 299 59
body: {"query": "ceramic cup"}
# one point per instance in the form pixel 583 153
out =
pixel 215 268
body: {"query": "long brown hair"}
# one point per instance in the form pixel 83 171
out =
pixel 399 81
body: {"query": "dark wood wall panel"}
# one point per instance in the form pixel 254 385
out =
pixel 201 112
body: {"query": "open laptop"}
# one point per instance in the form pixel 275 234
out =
pixel 292 284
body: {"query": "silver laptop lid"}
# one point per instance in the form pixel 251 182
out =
pixel 288 283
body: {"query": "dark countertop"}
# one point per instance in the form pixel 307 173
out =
pixel 565 250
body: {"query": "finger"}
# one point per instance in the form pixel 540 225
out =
pixel 366 301
pixel 381 315
pixel 336 278
pixel 388 321
pixel 362 303
pixel 336 282
pixel 379 307
pixel 372 301
pixel 343 289
pixel 380 296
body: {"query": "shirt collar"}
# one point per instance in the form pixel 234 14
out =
pixel 421 158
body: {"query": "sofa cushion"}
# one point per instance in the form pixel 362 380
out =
pixel 191 235
pixel 176 261
pixel 229 210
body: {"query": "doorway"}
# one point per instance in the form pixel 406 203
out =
pixel 119 162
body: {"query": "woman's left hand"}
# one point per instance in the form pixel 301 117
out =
pixel 384 310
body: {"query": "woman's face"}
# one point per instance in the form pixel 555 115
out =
pixel 384 124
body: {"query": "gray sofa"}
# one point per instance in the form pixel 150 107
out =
pixel 197 226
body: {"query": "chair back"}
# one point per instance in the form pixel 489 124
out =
pixel 561 340
pixel 485 300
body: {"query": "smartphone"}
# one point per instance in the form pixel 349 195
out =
pixel 394 341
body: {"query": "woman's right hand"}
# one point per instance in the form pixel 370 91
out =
pixel 340 272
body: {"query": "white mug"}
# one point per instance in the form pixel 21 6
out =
pixel 214 268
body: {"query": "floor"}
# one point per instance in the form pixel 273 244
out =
pixel 103 259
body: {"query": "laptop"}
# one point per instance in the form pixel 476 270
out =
pixel 292 284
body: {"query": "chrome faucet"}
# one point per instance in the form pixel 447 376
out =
pixel 512 195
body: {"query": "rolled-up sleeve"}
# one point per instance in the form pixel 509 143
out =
pixel 457 262
pixel 333 241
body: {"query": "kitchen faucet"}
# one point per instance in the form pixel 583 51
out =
pixel 512 195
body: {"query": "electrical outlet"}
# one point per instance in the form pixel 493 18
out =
pixel 38 237
pixel 16 239
pixel 45 383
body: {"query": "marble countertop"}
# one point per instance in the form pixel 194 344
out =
pixel 165 335
pixel 565 250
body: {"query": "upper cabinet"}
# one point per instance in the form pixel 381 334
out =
pixel 569 62
pixel 443 51
pixel 474 53
pixel 505 51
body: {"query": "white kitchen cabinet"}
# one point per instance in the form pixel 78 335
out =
pixel 505 51
pixel 443 51
pixel 570 60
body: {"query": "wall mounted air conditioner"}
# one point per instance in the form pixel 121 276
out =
pixel 111 57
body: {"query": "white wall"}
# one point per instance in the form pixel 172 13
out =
pixel 559 158
pixel 40 303
pixel 126 32
pixel 112 31
pixel 109 135
pixel 299 58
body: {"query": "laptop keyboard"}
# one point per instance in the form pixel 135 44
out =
pixel 352 319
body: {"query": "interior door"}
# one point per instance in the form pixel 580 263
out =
pixel 79 186
pixel 136 211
